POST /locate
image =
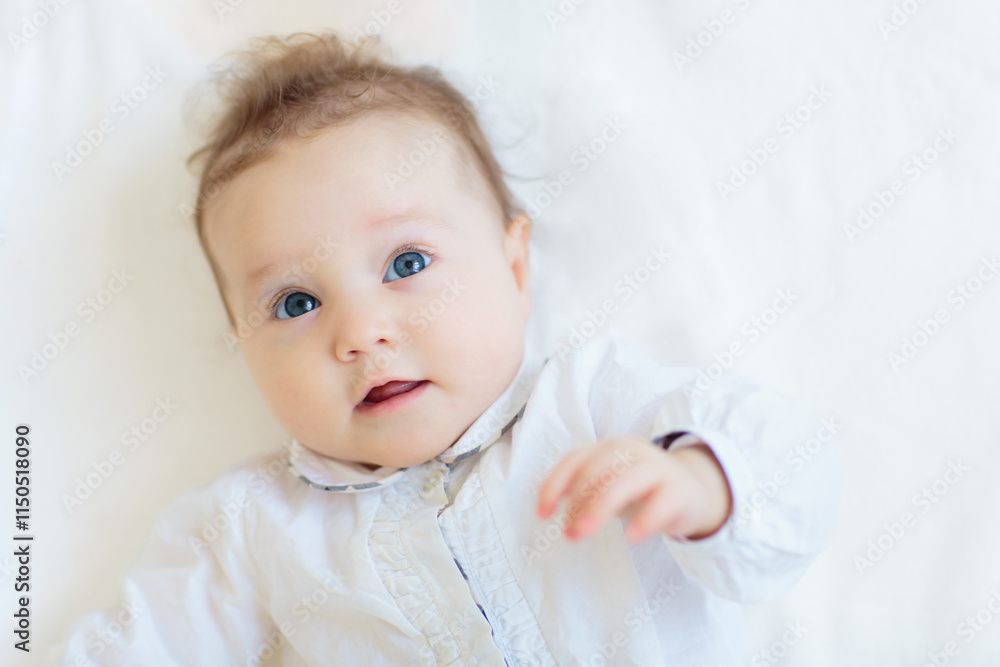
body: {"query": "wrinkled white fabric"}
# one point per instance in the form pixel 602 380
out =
pixel 321 562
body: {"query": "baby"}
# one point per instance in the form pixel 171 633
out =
pixel 451 496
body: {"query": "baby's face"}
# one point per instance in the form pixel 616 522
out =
pixel 365 273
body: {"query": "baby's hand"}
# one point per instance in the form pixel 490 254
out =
pixel 683 492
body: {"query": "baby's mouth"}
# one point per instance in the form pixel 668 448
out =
pixel 388 390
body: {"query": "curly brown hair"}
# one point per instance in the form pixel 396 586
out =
pixel 300 84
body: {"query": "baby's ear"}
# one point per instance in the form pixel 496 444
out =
pixel 516 243
pixel 516 237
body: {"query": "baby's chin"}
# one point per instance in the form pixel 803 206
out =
pixel 406 459
pixel 373 460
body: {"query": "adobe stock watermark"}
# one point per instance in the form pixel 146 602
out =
pixel 304 610
pixel 585 155
pixel 625 288
pixel 233 508
pixel 33 24
pixel 492 421
pixel 121 108
pixel 750 508
pixel 958 297
pixel 460 620
pixel 100 640
pixel 635 620
pixel 714 27
pixel 88 310
pixel 321 252
pixel 899 17
pixel 778 649
pixel 380 20
pixel 424 148
pixel 131 440
pixel 7 569
pixel 224 7
pixel 419 319
pixel 489 424
pixel 913 169
pixel 223 177
pixel 968 629
pixel 751 331
pixel 924 500
pixel 786 127
pixel 562 12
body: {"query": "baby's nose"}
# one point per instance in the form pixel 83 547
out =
pixel 364 330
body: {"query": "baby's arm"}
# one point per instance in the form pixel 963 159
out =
pixel 754 448
pixel 191 599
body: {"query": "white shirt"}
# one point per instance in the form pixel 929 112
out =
pixel 323 562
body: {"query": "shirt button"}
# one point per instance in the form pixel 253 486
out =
pixel 432 481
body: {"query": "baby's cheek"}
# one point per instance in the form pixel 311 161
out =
pixel 472 325
pixel 305 414
pixel 286 384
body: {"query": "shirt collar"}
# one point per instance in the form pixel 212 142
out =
pixel 329 474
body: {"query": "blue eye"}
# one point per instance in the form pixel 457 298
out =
pixel 295 304
pixel 406 264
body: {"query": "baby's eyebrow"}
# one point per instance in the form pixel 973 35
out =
pixel 407 218
pixel 259 276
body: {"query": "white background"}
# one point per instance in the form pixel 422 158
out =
pixel 687 126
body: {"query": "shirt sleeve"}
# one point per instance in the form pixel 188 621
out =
pixel 191 599
pixel 779 461
pixel 784 478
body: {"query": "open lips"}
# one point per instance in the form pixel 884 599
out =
pixel 388 390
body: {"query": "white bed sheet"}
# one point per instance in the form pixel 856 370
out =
pixel 881 94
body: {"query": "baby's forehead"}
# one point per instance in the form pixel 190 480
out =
pixel 381 153
pixel 402 142
pixel 380 165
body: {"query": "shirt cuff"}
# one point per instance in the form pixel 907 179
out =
pixel 740 478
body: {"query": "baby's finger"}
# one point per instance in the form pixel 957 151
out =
pixel 559 480
pixel 604 467
pixel 611 500
pixel 660 513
